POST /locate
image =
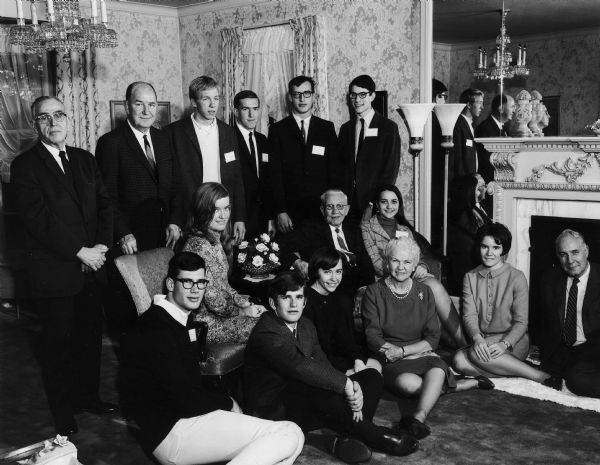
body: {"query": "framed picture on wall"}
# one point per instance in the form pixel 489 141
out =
pixel 380 103
pixel 118 114
pixel 553 106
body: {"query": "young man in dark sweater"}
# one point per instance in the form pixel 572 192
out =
pixel 181 421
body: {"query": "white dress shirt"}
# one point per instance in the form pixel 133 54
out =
pixel 179 315
pixel 208 139
pixel 334 235
pixel 306 123
pixel 368 117
pixel 581 288
pixel 54 152
pixel 139 135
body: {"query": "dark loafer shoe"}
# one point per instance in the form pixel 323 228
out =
pixel 400 446
pixel 99 407
pixel 484 382
pixel 350 450
pixel 417 429
pixel 553 382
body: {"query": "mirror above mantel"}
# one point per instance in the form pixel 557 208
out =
pixel 563 53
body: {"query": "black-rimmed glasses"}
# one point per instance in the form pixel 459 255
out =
pixel 359 95
pixel 305 94
pixel 57 117
pixel 189 283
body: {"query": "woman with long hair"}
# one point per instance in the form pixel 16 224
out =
pixel 230 316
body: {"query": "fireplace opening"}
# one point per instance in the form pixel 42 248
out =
pixel 542 234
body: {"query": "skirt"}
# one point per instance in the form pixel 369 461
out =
pixel 520 349
pixel 417 366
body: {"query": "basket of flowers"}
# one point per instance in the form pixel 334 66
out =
pixel 594 127
pixel 259 256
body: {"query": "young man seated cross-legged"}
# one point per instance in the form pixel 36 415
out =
pixel 181 421
pixel 288 376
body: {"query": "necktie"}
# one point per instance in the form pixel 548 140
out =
pixel 361 136
pixel 302 131
pixel 66 167
pixel 295 333
pixel 570 327
pixel 350 257
pixel 253 153
pixel 149 154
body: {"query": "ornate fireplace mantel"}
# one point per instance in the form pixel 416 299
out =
pixel 547 176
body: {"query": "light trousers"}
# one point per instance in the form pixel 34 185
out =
pixel 239 439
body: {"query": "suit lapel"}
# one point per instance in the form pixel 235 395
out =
pixel 53 167
pixel 591 298
pixel 560 292
pixel 369 144
pixel 378 229
pixel 136 149
pixel 190 132
pixel 244 153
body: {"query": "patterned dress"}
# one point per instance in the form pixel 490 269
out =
pixel 220 306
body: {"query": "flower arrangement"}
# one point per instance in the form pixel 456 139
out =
pixel 594 127
pixel 258 257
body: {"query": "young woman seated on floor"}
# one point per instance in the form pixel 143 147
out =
pixel 335 327
pixel 402 327
pixel 495 306
pixel 388 222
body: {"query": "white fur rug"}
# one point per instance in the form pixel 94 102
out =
pixel 527 388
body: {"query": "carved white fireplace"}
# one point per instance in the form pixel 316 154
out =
pixel 546 176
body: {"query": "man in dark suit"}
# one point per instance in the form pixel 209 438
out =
pixel 254 162
pixel 288 376
pixel 303 151
pixel 206 149
pixel 463 158
pixel 67 218
pixel 570 333
pixel 369 147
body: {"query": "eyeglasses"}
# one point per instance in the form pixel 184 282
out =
pixel 57 117
pixel 339 207
pixel 360 95
pixel 189 283
pixel 305 94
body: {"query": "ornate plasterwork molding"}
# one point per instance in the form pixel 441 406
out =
pixel 504 165
pixel 570 168
pixel 549 186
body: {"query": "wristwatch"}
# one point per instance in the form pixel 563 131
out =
pixel 508 345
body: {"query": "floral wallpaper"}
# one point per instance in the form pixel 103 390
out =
pixel 148 50
pixel 376 37
pixel 564 66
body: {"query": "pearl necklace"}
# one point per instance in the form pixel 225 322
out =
pixel 399 295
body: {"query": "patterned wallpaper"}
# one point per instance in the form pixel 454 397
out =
pixel 148 50
pixel 442 55
pixel 565 66
pixel 377 37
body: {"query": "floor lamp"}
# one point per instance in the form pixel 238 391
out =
pixel 415 115
pixel 447 114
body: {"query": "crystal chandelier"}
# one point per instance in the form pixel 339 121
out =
pixel 64 30
pixel 500 67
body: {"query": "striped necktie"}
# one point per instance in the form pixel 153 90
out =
pixel 569 335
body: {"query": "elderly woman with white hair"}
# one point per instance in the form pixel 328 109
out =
pixel 402 327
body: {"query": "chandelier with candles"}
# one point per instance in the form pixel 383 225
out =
pixel 501 66
pixel 65 30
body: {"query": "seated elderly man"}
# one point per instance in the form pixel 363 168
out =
pixel 570 333
pixel 181 421
pixel 288 376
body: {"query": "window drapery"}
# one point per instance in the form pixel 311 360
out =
pixel 232 68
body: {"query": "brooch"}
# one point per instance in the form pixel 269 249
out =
pixel 421 295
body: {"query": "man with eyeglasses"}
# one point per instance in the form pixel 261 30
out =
pixel 206 150
pixel 303 152
pixel 181 421
pixel 369 147
pixel 67 218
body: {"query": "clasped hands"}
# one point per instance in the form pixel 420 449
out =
pixel 252 310
pixel 391 352
pixel 354 398
pixel 92 258
pixel 486 352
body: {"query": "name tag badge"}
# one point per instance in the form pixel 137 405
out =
pixel 192 333
pixel 265 158
pixel 469 143
pixel 371 132
pixel 229 157
pixel 318 150
pixel 400 233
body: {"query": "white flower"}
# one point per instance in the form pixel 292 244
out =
pixel 257 261
pixel 265 237
pixel 261 247
pixel 275 246
pixel 243 245
pixel 274 258
pixel 241 258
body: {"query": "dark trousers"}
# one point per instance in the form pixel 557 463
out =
pixel 71 348
pixel 121 314
pixel 311 407
pixel 579 366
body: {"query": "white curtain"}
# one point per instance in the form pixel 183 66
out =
pixel 268 67
pixel 232 67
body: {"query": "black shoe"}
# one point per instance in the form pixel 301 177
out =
pixel 400 446
pixel 350 450
pixel 417 429
pixel 553 382
pixel 483 382
pixel 98 407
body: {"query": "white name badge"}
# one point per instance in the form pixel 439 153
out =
pixel 229 157
pixel 192 335
pixel 371 132
pixel 265 158
pixel 318 150
pixel 469 143
pixel 400 233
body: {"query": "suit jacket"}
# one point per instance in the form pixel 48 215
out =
pixel 256 188
pixel 145 200
pixel 274 357
pixel 463 158
pixel 487 128
pixel 300 173
pixel 377 163
pixel 59 218
pixel 553 298
pixel 188 157
pixel 316 234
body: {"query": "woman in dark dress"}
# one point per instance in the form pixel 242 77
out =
pixel 333 322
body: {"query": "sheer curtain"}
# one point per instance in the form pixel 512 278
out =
pixel 233 71
pixel 268 66
pixel 310 57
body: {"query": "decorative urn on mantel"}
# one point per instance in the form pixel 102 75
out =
pixel 522 115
